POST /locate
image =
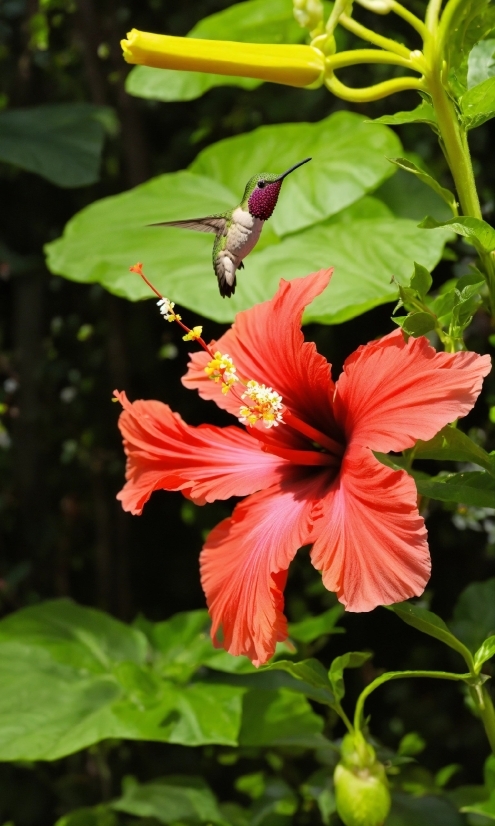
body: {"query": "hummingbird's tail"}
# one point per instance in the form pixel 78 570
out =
pixel 225 269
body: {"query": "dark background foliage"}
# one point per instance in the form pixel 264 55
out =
pixel 64 348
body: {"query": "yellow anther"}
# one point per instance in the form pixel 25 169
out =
pixel 193 334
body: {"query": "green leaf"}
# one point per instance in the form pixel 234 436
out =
pixel 182 644
pixel 61 142
pixel 481 63
pixel 474 614
pixel 418 324
pixel 485 652
pixel 97 669
pixel 172 85
pixel 475 488
pixel 421 280
pixel 429 623
pixel 429 810
pixel 424 113
pixel 411 744
pixel 279 718
pixel 470 23
pixel 254 21
pixel 478 232
pixel 308 677
pixel 169 799
pixel 311 628
pixel 486 808
pixel 95 816
pixel 445 194
pixel 452 444
pixel 478 104
pixel 353 659
pixel 276 806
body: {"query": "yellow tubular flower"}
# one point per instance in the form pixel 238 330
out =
pixel 288 64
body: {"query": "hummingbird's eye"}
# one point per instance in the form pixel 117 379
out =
pixel 261 184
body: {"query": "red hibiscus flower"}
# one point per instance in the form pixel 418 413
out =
pixel 311 480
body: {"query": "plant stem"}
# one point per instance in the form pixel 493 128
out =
pixel 484 707
pixel 399 675
pixel 376 92
pixel 454 142
pixel 355 56
pixel 410 18
pixel 372 37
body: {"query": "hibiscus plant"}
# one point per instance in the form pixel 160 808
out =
pixel 342 464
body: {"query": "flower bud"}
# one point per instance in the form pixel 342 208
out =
pixel 361 789
pixel 308 13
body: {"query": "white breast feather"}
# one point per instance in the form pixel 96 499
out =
pixel 243 234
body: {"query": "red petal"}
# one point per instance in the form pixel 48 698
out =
pixel 266 344
pixel 392 393
pixel 371 545
pixel 205 462
pixel 244 566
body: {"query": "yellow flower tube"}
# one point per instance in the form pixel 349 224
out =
pixel 292 65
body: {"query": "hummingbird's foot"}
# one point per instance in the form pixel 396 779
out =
pixel 241 266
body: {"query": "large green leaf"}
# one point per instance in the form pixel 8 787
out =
pixel 476 488
pixel 169 799
pixel 474 614
pixel 170 85
pixel 365 243
pixel 254 21
pixel 72 676
pixel 62 142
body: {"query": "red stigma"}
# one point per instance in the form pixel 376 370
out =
pixel 262 202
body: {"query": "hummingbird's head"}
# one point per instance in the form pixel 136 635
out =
pixel 261 193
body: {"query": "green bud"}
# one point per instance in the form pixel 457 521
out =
pixel 308 13
pixel 361 789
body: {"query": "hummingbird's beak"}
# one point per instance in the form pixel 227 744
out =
pixel 296 166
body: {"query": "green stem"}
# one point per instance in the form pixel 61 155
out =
pixel 369 93
pixel 432 15
pixel 343 716
pixel 486 711
pixel 372 37
pixel 455 145
pixel 410 18
pixel 355 56
pixel 399 675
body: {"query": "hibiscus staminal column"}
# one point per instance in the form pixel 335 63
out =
pixel 264 404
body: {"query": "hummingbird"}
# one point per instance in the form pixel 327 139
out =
pixel 237 231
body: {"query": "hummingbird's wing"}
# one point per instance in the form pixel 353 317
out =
pixel 212 223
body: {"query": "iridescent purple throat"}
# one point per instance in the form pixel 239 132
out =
pixel 262 202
